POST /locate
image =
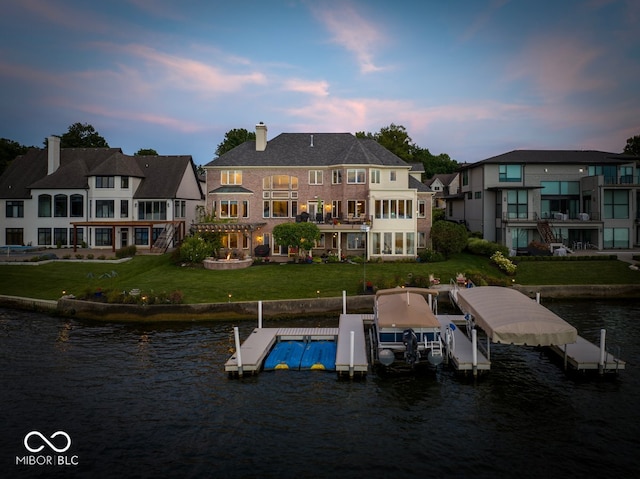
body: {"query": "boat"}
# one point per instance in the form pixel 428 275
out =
pixel 405 329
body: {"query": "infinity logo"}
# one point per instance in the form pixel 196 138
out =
pixel 49 443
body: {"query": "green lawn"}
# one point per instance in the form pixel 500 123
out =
pixel 289 281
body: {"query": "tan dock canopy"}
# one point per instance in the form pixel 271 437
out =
pixel 510 317
pixel 405 308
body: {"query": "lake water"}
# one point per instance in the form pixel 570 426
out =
pixel 153 400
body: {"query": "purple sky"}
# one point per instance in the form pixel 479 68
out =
pixel 472 79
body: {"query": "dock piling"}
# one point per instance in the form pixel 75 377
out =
pixel 344 302
pixel 236 333
pixel 474 351
pixel 352 348
pixel 259 314
pixel 603 350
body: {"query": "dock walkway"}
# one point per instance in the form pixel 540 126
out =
pixel 360 364
pixel 461 352
pixel 584 355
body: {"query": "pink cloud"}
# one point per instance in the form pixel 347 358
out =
pixel 315 88
pixel 354 33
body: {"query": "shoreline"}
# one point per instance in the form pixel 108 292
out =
pixel 276 309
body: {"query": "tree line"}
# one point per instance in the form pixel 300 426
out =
pixel 394 138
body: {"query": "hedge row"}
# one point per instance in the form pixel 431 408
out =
pixel 599 257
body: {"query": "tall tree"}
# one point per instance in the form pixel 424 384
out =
pixel 82 135
pixel 233 138
pixel 633 146
pixel 9 149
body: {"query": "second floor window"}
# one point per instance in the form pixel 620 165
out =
pixel 104 209
pixel 105 182
pixel 15 209
pixel 375 177
pixel 315 177
pixel 510 173
pixel 231 177
pixel 228 209
pixel 336 177
pixel 356 176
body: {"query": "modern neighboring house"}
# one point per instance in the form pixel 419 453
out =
pixel 98 198
pixel 575 198
pixel 444 185
pixel 365 200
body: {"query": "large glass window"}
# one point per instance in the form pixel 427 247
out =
pixel 105 182
pixel 14 209
pixel 104 209
pixel 355 240
pixel 517 204
pixel 152 210
pixel 509 173
pixel 356 176
pixel 608 171
pixel 228 209
pixel 231 177
pixel 616 204
pixel 616 238
pixel 394 209
pixel 44 206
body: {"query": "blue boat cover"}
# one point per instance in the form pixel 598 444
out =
pixel 319 355
pixel 285 355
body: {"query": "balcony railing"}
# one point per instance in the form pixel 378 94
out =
pixel 551 217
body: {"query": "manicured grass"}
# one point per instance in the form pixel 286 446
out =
pixel 289 281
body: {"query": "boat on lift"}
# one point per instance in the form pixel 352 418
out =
pixel 405 328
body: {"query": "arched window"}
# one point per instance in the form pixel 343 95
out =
pixel 60 206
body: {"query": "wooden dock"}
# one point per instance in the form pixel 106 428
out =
pixel 345 362
pixel 461 354
pixel 583 355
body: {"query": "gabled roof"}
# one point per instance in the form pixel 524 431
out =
pixel 444 178
pixel 30 170
pixel 310 150
pixel 586 157
pixel 161 174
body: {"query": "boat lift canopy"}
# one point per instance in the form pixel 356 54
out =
pixel 510 317
pixel 405 308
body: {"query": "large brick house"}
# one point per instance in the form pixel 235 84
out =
pixel 365 200
pixel 97 197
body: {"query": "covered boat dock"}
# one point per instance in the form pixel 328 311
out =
pixel 510 317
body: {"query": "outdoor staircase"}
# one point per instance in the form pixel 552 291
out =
pixel 164 239
pixel 546 233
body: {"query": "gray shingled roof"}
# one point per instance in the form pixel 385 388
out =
pixel 586 157
pixel 295 149
pixel 161 174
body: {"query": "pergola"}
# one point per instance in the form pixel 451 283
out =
pixel 247 228
pixel 124 224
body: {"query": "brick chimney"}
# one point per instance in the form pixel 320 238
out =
pixel 261 137
pixel 53 151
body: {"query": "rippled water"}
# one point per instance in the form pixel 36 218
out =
pixel 153 400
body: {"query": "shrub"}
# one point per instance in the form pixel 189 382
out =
pixel 448 238
pixel 486 248
pixel 503 263
pixel 126 252
pixel 430 256
pixel 195 249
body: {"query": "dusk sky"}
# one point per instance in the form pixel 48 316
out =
pixel 469 78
